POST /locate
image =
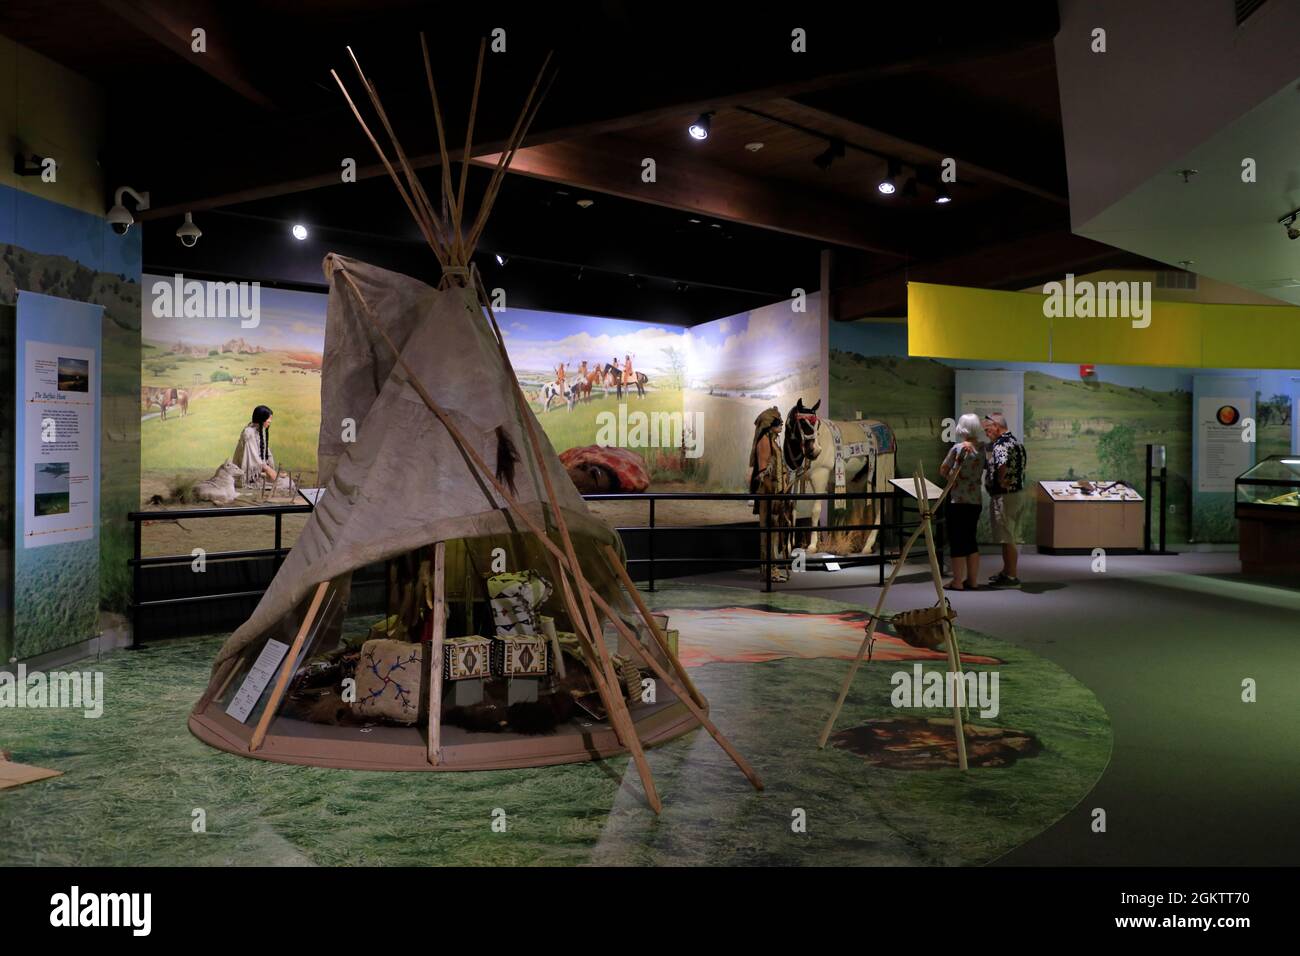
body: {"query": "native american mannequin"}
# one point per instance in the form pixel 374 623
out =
pixel 768 475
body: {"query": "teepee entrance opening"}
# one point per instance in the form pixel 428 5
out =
pixel 361 691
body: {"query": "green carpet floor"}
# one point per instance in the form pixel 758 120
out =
pixel 134 779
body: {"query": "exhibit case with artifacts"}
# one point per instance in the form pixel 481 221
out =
pixel 1076 516
pixel 1268 515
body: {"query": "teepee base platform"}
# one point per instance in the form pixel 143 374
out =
pixel 406 748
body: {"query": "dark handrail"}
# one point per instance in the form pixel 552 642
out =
pixel 138 518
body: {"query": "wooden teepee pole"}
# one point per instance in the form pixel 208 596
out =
pixel 469 140
pixel 286 669
pixel 565 560
pixel 954 661
pixel 617 704
pixel 456 239
pixel 616 563
pixel 512 145
pixel 439 612
pixel 584 587
pixel 392 173
pixel 435 222
pixel 874 620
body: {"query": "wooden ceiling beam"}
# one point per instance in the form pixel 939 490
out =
pixel 1017 264
pixel 173 29
pixel 850 131
pixel 608 164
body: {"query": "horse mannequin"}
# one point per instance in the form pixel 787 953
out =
pixel 828 456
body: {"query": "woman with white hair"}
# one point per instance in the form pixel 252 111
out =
pixel 966 458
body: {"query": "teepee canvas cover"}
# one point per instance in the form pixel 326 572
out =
pixel 403 483
pixel 429 453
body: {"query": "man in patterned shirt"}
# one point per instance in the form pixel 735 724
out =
pixel 1004 480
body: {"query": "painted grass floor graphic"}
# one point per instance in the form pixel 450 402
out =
pixel 133 779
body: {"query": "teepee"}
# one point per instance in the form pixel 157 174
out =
pixel 434 468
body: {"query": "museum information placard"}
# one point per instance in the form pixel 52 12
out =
pixel 56 472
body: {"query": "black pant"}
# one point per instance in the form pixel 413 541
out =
pixel 962 522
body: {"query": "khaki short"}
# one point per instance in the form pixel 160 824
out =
pixel 1006 515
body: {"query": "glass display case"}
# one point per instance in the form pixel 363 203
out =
pixel 1272 483
pixel 1268 516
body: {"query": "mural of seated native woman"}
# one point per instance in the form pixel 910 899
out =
pixel 827 456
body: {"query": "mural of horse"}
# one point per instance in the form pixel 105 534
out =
pixel 826 455
pixel 613 376
pixel 165 398
pixel 551 392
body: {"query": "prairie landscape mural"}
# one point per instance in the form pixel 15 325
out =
pixel 740 365
pixel 211 372
pixel 1095 427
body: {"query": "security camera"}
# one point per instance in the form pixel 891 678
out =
pixel 1289 220
pixel 188 233
pixel 119 217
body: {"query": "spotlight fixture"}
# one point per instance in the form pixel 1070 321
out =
pixel 1289 220
pixel 942 196
pixel 700 128
pixel 188 233
pixel 1187 174
pixel 586 203
pixel 681 287
pixel 832 152
pixel 754 147
pixel 119 217
pixel 889 185
pixel 299 231
pixel 501 260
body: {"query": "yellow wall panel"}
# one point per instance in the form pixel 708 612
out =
pixel 1251 336
pixel 955 322
pixel 948 321
pixel 1173 338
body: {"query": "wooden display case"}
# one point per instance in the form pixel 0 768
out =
pixel 1076 517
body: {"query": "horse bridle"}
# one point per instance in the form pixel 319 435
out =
pixel 806 423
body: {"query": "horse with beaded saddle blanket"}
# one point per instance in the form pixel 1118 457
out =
pixel 827 456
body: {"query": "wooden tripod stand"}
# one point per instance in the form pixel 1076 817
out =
pixel 928 510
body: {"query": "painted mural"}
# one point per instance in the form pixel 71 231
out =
pixel 1095 426
pixel 200 379
pixel 678 404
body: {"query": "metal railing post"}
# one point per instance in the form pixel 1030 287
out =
pixel 650 544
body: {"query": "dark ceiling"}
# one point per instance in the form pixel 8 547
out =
pixel 250 136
